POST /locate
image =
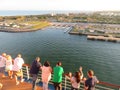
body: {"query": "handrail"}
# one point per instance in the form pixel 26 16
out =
pixel 66 83
pixel 109 84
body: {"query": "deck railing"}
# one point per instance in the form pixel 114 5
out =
pixel 66 83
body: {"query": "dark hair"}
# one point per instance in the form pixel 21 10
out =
pixel 46 63
pixel 59 63
pixel 77 76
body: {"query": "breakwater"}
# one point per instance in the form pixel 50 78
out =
pixel 103 38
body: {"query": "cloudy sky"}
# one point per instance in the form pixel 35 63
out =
pixel 82 5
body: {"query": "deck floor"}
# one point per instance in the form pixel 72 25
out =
pixel 9 84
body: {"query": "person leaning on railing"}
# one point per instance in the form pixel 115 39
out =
pixel 57 76
pixel 2 64
pixel 75 81
pixel 17 68
pixel 46 74
pixel 91 81
pixel 34 70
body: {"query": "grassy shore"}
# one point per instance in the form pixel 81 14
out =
pixel 39 25
pixel 25 26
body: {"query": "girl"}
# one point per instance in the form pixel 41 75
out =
pixel 75 81
pixel 9 66
pixel 46 74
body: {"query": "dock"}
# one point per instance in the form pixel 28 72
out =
pixel 103 38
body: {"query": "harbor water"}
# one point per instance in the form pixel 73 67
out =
pixel 54 44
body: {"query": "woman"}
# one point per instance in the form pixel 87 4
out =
pixel 46 74
pixel 75 81
pixel 9 66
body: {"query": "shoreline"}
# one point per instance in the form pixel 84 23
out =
pixel 18 31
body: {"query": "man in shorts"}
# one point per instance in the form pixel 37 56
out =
pixel 17 68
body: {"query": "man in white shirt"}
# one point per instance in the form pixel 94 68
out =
pixel 2 64
pixel 17 68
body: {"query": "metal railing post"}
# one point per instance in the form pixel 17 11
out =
pixel 65 82
pixel 27 70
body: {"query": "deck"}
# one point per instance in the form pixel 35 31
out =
pixel 9 84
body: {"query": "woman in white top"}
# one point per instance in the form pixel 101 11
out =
pixel 9 65
pixel 46 74
pixel 75 81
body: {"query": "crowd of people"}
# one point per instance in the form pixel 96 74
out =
pixel 14 69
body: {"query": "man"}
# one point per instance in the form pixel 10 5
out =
pixel 34 70
pixel 17 68
pixel 91 81
pixel 57 76
pixel 2 64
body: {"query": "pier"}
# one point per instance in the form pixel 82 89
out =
pixel 103 38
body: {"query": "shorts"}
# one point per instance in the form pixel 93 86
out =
pixel 2 69
pixel 18 73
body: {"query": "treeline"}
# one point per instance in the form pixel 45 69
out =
pixel 91 17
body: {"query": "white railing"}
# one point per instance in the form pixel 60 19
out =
pixel 66 83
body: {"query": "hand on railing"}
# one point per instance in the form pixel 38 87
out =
pixel 68 75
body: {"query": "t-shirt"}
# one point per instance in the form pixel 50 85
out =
pixel 91 82
pixel 18 62
pixel 2 61
pixel 9 65
pixel 35 67
pixel 46 73
pixel 57 74
pixel 74 83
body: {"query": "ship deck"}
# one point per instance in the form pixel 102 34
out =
pixel 9 84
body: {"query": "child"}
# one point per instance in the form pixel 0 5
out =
pixel 9 66
pixel 75 81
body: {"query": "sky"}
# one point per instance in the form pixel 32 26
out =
pixel 81 5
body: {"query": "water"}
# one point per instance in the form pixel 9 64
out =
pixel 54 45
pixel 29 12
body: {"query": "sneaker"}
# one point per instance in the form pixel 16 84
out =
pixel 17 83
pixel 22 80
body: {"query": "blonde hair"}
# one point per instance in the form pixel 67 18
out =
pixel 9 57
pixel 19 55
pixel 4 54
pixel 91 72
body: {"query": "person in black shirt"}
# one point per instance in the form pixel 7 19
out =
pixel 34 70
pixel 91 81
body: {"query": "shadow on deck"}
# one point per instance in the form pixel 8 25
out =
pixel 9 84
